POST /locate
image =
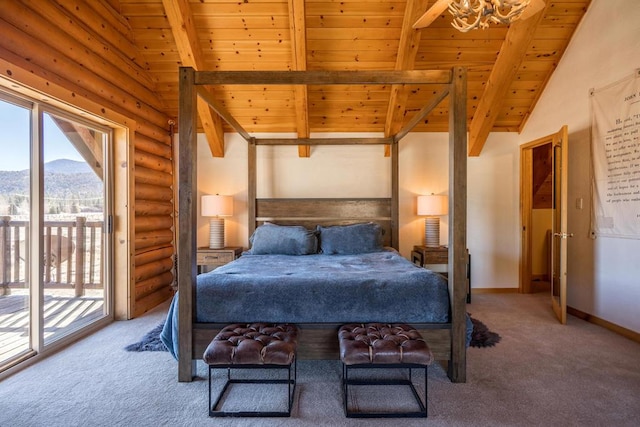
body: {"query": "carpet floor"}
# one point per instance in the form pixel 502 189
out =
pixel 541 373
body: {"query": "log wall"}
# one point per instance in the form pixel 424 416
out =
pixel 85 49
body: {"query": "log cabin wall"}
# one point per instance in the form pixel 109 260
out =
pixel 82 52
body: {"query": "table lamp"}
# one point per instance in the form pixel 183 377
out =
pixel 216 207
pixel 432 206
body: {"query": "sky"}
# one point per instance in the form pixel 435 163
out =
pixel 14 139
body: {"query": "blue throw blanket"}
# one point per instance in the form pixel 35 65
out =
pixel 372 287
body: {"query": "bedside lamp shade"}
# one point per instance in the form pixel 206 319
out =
pixel 216 207
pixel 432 207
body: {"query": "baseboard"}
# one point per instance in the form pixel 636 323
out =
pixel 627 333
pixel 494 291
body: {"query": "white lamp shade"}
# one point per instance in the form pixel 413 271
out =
pixel 216 205
pixel 432 205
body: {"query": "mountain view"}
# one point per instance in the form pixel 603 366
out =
pixel 70 187
pixel 67 166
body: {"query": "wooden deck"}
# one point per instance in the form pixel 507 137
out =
pixel 62 314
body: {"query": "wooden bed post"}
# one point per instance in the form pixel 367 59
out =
pixel 187 245
pixel 458 223
pixel 395 200
pixel 252 185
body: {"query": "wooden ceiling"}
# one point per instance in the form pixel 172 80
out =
pixel 508 67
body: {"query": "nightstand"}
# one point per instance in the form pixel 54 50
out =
pixel 425 255
pixel 210 259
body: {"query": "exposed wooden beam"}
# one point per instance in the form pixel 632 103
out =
pixel 207 97
pixel 252 185
pixel 431 14
pixel 405 60
pixel 509 59
pixel 298 29
pixel 184 33
pixel 457 277
pixel 433 103
pixel 395 196
pixel 188 215
pixel 322 77
pixel 324 141
pixel 85 141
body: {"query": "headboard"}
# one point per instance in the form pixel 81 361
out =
pixel 326 212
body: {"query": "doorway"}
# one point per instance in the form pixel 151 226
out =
pixel 541 217
pixel 543 200
pixel 55 245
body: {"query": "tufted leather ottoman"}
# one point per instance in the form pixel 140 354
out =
pixel 253 346
pixel 378 345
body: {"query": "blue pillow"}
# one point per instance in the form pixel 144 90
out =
pixel 273 239
pixel 350 239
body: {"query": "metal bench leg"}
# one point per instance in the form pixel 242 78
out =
pixel 421 413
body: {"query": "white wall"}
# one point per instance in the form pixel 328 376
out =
pixel 493 207
pixel 226 176
pixel 363 171
pixel 331 171
pixel 602 273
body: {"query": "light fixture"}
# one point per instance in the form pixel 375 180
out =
pixel 470 14
pixel 216 207
pixel 432 206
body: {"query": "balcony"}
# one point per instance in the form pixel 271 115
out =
pixel 72 279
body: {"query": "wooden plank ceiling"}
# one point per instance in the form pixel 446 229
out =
pixel 508 66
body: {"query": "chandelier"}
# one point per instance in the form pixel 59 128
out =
pixel 470 14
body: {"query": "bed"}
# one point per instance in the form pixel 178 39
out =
pixel 447 337
pixel 330 275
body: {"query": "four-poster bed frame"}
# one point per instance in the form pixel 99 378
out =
pixel 318 341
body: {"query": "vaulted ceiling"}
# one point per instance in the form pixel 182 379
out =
pixel 508 67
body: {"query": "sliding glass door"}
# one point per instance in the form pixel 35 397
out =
pixel 15 139
pixel 74 217
pixel 55 208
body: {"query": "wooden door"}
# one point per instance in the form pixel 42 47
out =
pixel 559 227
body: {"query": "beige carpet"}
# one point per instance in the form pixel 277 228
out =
pixel 541 373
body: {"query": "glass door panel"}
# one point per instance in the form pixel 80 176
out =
pixel 15 140
pixel 74 215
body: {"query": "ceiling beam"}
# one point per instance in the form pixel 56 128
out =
pixel 436 9
pixel 87 143
pixel 322 77
pixel 324 141
pixel 298 29
pixel 208 97
pixel 504 71
pixel 405 60
pixel 184 33
pixel 424 112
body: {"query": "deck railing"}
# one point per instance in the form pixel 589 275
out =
pixel 72 254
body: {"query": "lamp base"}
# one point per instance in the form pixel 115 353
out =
pixel 432 232
pixel 216 233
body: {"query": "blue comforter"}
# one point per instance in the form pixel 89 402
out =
pixel 372 287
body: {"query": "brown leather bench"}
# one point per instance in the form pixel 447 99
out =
pixel 388 346
pixel 253 346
